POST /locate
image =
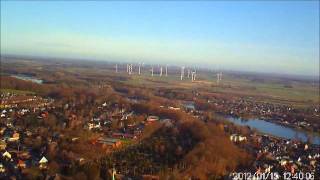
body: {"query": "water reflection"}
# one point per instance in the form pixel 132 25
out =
pixel 28 78
pixel 276 130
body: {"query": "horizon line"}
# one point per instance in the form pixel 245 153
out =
pixel 40 57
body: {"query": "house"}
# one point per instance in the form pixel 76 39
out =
pixel 44 114
pixel 93 125
pixel 81 160
pixel 43 163
pixel 2 169
pixel 74 139
pixel 90 126
pixel 313 163
pixel 3 145
pixel 174 108
pixel 21 164
pixel 9 125
pixel 114 143
pixel 125 116
pixel 28 133
pixel 152 119
pixel 123 135
pixel 2 130
pixel 283 162
pixel 15 137
pixel 237 138
pixel 6 155
pixel 167 122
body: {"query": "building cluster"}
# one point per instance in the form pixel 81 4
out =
pixel 15 154
pixel 237 138
pixel 272 154
pixel 287 115
pixel 117 125
pixel 12 100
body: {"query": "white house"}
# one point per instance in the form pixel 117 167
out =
pixel 237 138
pixel 2 169
pixel 43 163
pixel 6 155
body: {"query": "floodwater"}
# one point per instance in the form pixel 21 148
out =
pixel 276 130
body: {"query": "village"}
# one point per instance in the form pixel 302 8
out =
pixel 272 154
pixel 29 138
pixel 286 115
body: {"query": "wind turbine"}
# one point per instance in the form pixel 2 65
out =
pixel 130 69
pixel 193 75
pixel 152 71
pixel 139 68
pixel 182 73
pixel 166 70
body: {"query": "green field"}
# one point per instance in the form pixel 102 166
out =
pixel 299 93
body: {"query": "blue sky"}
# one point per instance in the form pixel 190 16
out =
pixel 265 36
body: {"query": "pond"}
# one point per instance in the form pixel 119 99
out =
pixel 276 130
pixel 28 78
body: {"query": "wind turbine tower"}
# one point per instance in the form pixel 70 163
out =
pixel 182 73
pixel 139 68
pixel 160 71
pixel 193 75
pixel 116 68
pixel 219 77
pixel 130 69
pixel 152 71
pixel 166 70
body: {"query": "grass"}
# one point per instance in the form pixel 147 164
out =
pixel 126 142
pixel 270 91
pixel 300 94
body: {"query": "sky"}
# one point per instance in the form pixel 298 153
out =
pixel 259 36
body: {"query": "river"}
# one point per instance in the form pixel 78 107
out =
pixel 28 78
pixel 276 130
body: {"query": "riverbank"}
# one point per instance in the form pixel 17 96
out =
pixel 274 129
